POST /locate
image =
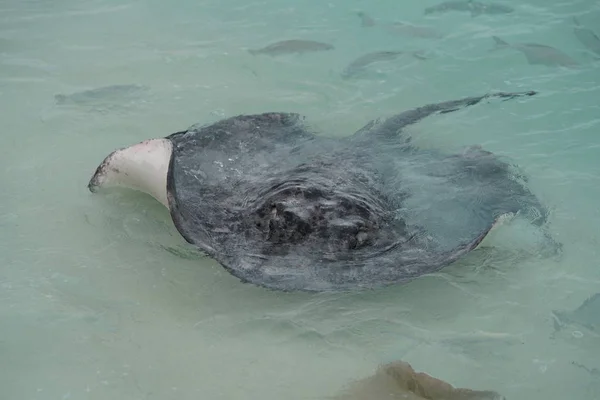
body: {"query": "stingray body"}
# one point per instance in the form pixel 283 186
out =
pixel 282 207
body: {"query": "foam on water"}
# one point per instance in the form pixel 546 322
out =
pixel 93 306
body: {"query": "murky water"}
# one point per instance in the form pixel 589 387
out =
pixel 101 299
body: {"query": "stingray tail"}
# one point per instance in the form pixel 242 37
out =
pixel 455 105
pixel 393 126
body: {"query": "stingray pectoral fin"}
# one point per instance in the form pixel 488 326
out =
pixel 455 254
pixel 502 219
pixel 393 125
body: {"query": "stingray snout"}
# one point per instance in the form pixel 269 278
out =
pixel 99 176
pixel 143 166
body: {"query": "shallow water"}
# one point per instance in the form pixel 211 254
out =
pixel 100 297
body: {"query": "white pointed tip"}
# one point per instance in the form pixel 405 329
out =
pixel 143 167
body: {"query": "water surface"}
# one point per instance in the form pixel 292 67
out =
pixel 94 306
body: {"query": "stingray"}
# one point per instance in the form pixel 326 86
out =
pixel 538 53
pixel 282 207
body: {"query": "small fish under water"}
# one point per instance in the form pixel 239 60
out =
pixel 587 37
pixel 292 46
pixel 110 93
pixel 475 8
pixel 359 65
pixel 365 20
pixel 402 28
pixel 538 53
pixel 420 31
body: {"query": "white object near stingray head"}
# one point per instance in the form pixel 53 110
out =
pixel 143 167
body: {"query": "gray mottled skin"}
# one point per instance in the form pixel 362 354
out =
pixel 283 208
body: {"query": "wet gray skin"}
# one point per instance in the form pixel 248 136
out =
pixel 475 8
pixel 284 208
pixel 587 37
pixel 292 46
pixel 360 64
pixel 538 53
pixel 105 93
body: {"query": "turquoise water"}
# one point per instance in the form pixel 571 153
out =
pixel 93 306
